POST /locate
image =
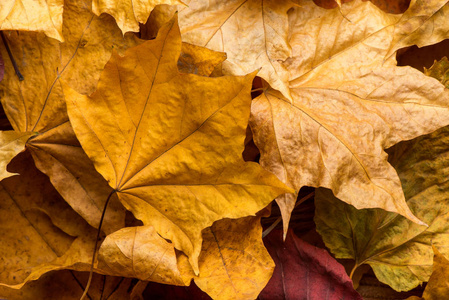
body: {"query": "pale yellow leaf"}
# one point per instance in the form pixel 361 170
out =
pixel 253 34
pixel 33 15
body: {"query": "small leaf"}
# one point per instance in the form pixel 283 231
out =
pixel 129 13
pixel 139 252
pixel 233 263
pixel 304 271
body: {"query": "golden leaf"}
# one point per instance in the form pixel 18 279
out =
pixel 424 23
pixel 33 15
pixel 41 232
pixel 438 286
pixel 348 106
pixel 233 263
pixel 37 103
pixel 170 143
pixel 139 252
pixel 129 13
pixel 11 144
pixel 253 34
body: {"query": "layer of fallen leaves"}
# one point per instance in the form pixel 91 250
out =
pixel 142 121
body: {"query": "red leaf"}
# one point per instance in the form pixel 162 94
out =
pixel 304 272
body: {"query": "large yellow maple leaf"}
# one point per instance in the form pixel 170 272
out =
pixel 253 33
pixel 348 105
pixel 170 144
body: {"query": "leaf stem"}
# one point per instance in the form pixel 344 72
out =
pixel 96 244
pixel 353 270
pixel 269 229
pixel 13 61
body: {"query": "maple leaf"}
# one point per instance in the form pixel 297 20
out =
pixel 139 252
pixel 334 132
pixel 424 23
pixel 304 271
pixel 398 250
pixel 171 159
pixel 233 263
pixel 36 104
pixel 129 13
pixel 34 15
pixel 217 25
pixel 45 232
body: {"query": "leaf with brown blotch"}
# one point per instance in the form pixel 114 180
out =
pixel 304 271
pixel 33 15
pixel 41 232
pixel 398 250
pixel 392 6
pixel 175 156
pixel 262 45
pixel 11 144
pixel 335 131
pixel 129 13
pixel 424 23
pixel 139 252
pixel 233 263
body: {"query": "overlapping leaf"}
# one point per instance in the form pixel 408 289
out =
pixel 304 272
pixel 424 23
pixel 398 250
pixel 348 105
pixel 172 159
pixel 11 144
pixel 37 104
pixel 129 13
pixel 233 263
pixel 253 33
pixel 438 285
pixel 139 252
pixel 40 232
pixel 33 15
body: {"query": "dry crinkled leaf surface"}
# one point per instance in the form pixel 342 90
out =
pixel 438 285
pixel 334 131
pixel 33 15
pixel 424 23
pixel 37 103
pixel 253 34
pixel 398 250
pixel 129 13
pixel 304 271
pixel 40 232
pixel 139 252
pixel 171 158
pixel 233 263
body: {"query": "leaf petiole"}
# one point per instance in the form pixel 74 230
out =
pixel 94 255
